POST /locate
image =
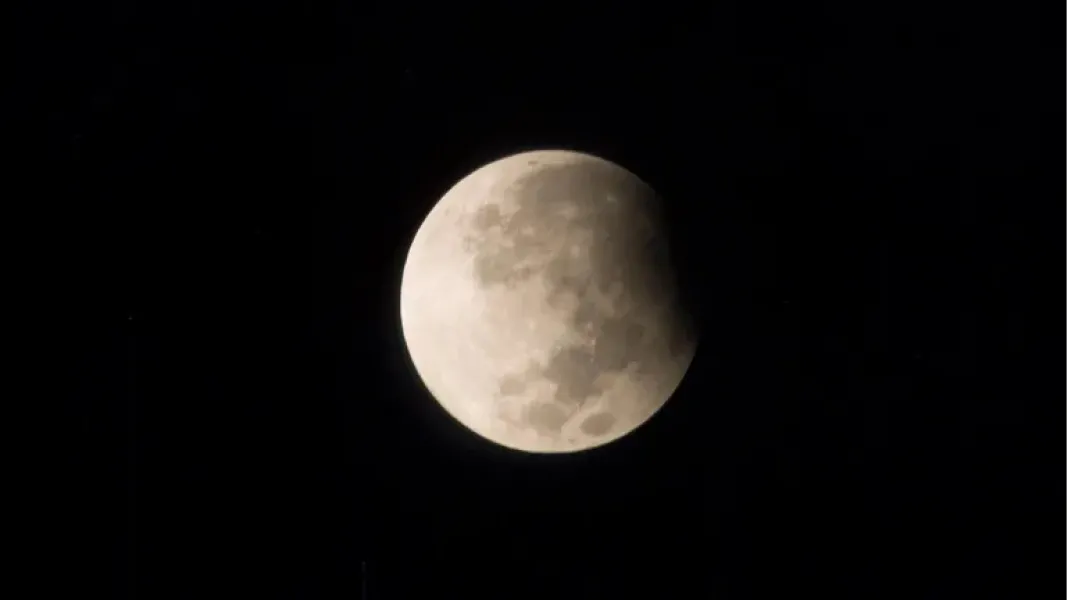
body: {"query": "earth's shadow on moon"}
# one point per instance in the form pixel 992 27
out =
pixel 627 256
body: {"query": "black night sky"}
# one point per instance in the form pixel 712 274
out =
pixel 858 194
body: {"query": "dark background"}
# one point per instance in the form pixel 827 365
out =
pixel 860 202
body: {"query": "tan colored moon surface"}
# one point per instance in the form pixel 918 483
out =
pixel 539 306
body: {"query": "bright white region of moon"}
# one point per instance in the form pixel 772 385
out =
pixel 539 306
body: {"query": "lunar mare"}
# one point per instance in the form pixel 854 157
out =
pixel 539 305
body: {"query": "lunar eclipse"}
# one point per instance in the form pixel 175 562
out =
pixel 539 304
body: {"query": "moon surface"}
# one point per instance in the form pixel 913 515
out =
pixel 539 305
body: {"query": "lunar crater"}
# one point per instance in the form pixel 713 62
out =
pixel 597 424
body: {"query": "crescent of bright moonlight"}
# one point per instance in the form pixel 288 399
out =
pixel 539 306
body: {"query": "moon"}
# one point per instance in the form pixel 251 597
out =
pixel 539 306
